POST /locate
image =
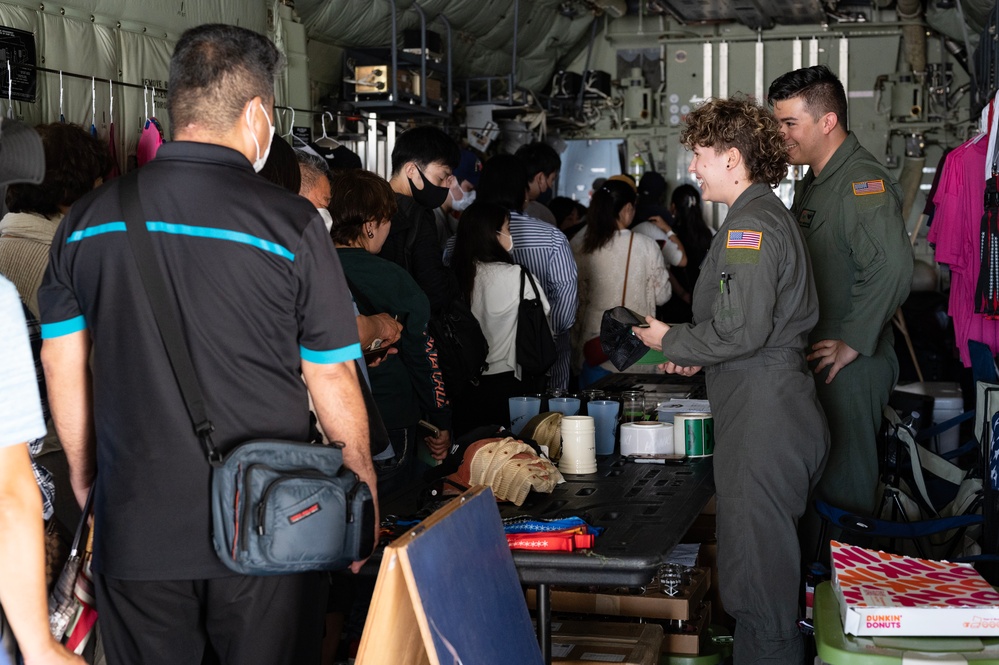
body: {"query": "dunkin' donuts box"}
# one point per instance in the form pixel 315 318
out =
pixel 890 594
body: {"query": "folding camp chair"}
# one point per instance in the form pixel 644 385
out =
pixel 930 507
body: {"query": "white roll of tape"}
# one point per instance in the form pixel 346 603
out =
pixel 646 438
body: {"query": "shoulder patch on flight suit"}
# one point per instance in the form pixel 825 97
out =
pixel 744 240
pixel 868 187
pixel 805 219
pixel 863 191
pixel 743 246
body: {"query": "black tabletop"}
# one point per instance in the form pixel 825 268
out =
pixel 645 509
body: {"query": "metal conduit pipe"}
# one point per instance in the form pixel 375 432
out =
pixel 912 172
pixel 910 12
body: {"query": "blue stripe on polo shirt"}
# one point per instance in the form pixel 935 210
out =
pixel 334 356
pixel 110 227
pixel 220 234
pixel 187 230
pixel 67 327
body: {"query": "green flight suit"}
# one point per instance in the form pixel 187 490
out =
pixel 754 304
pixel 862 262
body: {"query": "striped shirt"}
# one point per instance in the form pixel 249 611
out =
pixel 544 250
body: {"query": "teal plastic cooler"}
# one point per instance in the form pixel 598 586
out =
pixel 836 648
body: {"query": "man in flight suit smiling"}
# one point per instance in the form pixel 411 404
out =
pixel 849 208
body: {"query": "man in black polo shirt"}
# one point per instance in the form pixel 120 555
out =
pixel 422 161
pixel 262 303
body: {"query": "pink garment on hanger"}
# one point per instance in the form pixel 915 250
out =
pixel 149 142
pixel 956 236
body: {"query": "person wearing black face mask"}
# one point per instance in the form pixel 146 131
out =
pixel 422 162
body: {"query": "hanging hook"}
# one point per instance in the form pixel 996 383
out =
pixel 111 97
pixel 291 127
pixel 152 99
pixel 323 121
pixel 10 92
pixel 93 106
pixel 145 101
pixel 62 116
pixel 327 141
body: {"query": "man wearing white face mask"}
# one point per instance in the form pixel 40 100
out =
pixel 261 303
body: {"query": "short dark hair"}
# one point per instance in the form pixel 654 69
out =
pixel 561 207
pixel 503 181
pixel 424 146
pixel 476 242
pixel 818 87
pixel 539 158
pixel 74 159
pixel 601 218
pixel 281 166
pixel 742 124
pixel 356 197
pixel 215 70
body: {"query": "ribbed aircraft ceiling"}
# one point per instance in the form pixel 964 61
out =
pixel 482 40
pixel 551 30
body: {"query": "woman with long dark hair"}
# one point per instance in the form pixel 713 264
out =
pixel 693 232
pixel 615 267
pixel 489 280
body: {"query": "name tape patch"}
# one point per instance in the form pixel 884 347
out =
pixel 302 514
pixel 866 187
pixel 744 240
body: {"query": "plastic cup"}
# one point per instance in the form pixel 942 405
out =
pixel 578 447
pixel 523 409
pixel 567 406
pixel 604 413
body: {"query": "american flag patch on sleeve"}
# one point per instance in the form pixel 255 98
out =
pixel 744 240
pixel 866 187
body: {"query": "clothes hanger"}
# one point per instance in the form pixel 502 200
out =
pixel 10 92
pixel 93 107
pixel 326 141
pixel 114 171
pixel 293 140
pixel 62 116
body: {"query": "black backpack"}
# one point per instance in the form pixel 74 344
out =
pixel 461 347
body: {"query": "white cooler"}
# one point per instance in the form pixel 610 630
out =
pixel 948 402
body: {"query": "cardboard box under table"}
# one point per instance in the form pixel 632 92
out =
pixel 837 648
pixel 587 642
pixel 652 603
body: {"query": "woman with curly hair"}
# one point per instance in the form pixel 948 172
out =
pixel 754 305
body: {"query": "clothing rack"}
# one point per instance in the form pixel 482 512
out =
pixel 139 86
